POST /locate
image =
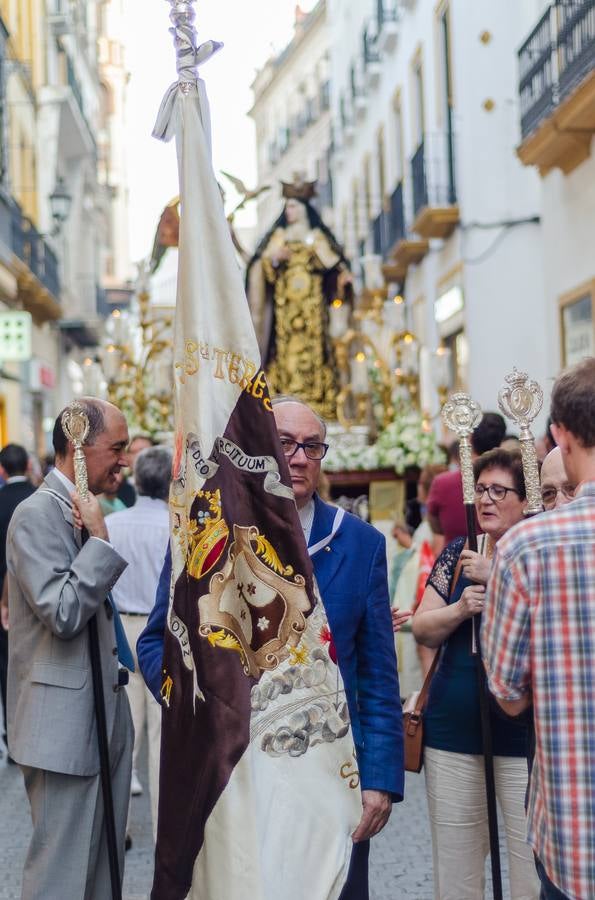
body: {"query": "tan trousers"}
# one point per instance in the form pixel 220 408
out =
pixel 145 710
pixel 455 786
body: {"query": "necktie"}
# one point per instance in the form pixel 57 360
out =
pixel 125 657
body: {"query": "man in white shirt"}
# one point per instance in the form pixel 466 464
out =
pixel 140 535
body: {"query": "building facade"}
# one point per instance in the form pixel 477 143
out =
pixel 556 86
pixel 62 196
pixel 425 172
pixel 292 118
pixel 454 143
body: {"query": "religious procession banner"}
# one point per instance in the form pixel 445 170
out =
pixel 259 790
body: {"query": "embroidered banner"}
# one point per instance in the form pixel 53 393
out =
pixel 257 772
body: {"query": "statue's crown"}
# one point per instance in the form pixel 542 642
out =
pixel 299 189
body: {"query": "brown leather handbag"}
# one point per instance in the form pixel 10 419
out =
pixel 413 730
pixel 414 708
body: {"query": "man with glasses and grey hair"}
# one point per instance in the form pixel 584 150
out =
pixel 140 535
pixel 556 488
pixel 349 559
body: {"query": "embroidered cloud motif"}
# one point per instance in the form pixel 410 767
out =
pixel 319 723
pixel 290 726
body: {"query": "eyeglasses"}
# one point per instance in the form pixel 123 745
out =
pixel 312 449
pixel 549 495
pixel 496 492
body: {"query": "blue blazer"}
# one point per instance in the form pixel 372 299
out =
pixel 352 578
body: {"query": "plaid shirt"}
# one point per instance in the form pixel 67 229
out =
pixel 538 635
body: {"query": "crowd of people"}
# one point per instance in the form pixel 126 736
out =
pixel 531 581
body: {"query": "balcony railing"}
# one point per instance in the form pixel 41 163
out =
pixel 418 179
pixel 556 57
pixel 385 12
pixel 380 234
pixel 576 42
pixel 369 48
pixel 30 246
pixel 433 172
pixel 536 67
pixel 397 216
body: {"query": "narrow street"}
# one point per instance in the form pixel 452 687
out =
pixel 401 860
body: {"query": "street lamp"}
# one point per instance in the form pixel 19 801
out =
pixel 60 203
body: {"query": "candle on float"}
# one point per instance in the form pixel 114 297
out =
pixel 163 378
pixel 91 378
pixel 359 373
pixel 372 269
pixel 394 314
pixel 441 367
pixel 338 318
pixel 111 362
pixel 410 354
pixel 120 327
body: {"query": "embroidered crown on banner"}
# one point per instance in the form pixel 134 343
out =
pixel 206 544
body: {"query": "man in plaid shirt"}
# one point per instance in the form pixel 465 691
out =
pixel 538 643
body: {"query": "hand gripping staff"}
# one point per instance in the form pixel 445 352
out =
pixel 75 426
pixel 462 415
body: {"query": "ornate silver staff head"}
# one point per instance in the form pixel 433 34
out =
pixel 75 425
pixel 521 399
pixel 462 415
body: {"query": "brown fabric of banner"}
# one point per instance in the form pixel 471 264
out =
pixel 203 740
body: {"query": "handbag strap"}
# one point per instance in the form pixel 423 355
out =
pixel 423 694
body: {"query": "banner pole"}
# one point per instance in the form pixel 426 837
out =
pixel 462 415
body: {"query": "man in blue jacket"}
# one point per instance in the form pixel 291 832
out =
pixel 349 560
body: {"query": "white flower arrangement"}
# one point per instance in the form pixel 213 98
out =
pixel 405 442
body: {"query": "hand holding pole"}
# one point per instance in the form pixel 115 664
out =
pixel 462 415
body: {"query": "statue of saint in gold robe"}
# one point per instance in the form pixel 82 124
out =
pixel 297 271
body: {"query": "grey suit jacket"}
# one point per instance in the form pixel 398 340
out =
pixel 54 587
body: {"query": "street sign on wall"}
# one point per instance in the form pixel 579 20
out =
pixel 15 336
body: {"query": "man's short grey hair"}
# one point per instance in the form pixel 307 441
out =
pixel 287 398
pixel 152 472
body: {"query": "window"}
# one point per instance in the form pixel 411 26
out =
pixel 458 345
pixel 446 98
pixel 367 189
pixel 576 324
pixel 398 138
pixel 381 157
pixel 418 103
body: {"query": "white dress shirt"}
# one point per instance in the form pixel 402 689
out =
pixel 306 514
pixel 140 535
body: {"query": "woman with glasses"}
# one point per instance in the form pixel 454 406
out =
pixel 453 758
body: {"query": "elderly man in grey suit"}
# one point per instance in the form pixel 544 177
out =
pixel 56 583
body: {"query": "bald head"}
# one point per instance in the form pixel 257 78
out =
pixel 556 490
pixel 104 448
pixel 298 424
pixel 98 412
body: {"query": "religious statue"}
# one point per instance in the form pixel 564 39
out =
pixel 297 270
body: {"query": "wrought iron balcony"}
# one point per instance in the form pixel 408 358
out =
pixel 576 43
pixel 435 210
pixel 536 68
pixel 557 86
pixel 397 215
pixel 385 12
pixel 380 234
pixel 405 248
pixel 386 24
pixel 32 250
